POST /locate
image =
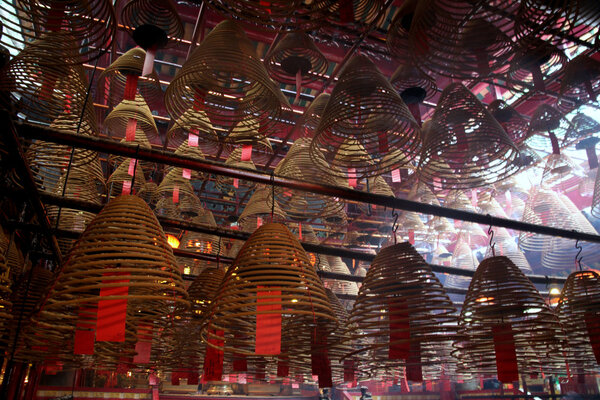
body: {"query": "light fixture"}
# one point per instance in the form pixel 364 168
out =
pixel 173 241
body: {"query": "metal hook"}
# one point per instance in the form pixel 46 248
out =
pixel 578 256
pixel 491 233
pixel 395 224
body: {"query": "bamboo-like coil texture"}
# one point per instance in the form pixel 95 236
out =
pixel 578 310
pixel 535 19
pixel 464 146
pixel 179 189
pixel 513 123
pixel 118 119
pixel 398 34
pixel 271 266
pixel 124 240
pixel 414 85
pixel 5 302
pixel 84 28
pixel 402 303
pixel 501 294
pixel 360 11
pixel 224 72
pixel 161 14
pixel 365 118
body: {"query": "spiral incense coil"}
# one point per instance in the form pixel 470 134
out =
pixel 194 124
pixel 537 19
pixel 165 207
pixel 500 295
pixel 201 242
pixel 533 62
pixel 224 72
pixel 298 164
pixel 230 185
pixel 580 83
pixel 464 146
pixel 559 171
pixel 584 127
pixel 336 265
pixel 124 68
pixel 260 206
pixel 513 123
pixel 178 188
pixel 271 266
pixel 202 291
pixel 247 133
pixel 357 12
pixel 459 39
pixel 306 234
pixel 193 152
pixel 401 302
pixel 295 59
pixel 119 118
pixel 117 181
pixel 539 209
pixel 149 193
pixel 414 87
pixel 363 120
pixel 13 256
pixel 153 22
pixel 84 28
pixel 549 128
pixel 398 34
pixel 312 116
pixel 578 312
pixel 462 258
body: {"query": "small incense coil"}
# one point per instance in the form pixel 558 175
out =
pixel 505 245
pixel 202 291
pixel 224 72
pixel 165 207
pixel 559 171
pixel 578 311
pixel 194 123
pixel 149 193
pixel 548 121
pixel 513 123
pixel 501 294
pixel 118 119
pixel 533 62
pixel 414 87
pixel 231 185
pixel 462 258
pixel 194 152
pixel 271 260
pixel 365 114
pixel 336 265
pixel 178 188
pixel 376 185
pixel 308 236
pixel 84 28
pixel 152 23
pixel 105 248
pixel 140 140
pixel 260 206
pixel 124 173
pixel 464 146
pixel 359 12
pixel 400 293
pixel 584 127
pixel 201 242
pixel 580 83
pixel 538 210
pixel 298 164
pixel 116 75
pixel 247 133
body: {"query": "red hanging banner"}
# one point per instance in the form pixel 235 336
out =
pixel 130 87
pixel 143 347
pixel 320 363
pixel 85 330
pixel 112 313
pixel 414 371
pixel 268 322
pixel 213 359
pixel 239 359
pixel 193 378
pixel 399 347
pixel 283 367
pixel 506 354
pixel 592 323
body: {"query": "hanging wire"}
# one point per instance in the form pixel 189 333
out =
pixel 219 251
pixel 578 256
pixel 135 165
pixel 395 225
pixel 491 233
pixel 369 211
pixel 272 195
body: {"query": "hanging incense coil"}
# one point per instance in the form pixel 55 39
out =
pixel 306 234
pixel 202 291
pixel 165 207
pixel 149 193
pixel 121 180
pixel 13 256
pixel 154 284
pixel 464 146
pixel 336 265
pixel 178 188
pixel 585 127
pixel 153 22
pixel 201 243
pixel 537 19
pixel 513 123
pixel 231 185
pixel 224 72
pixel 462 258
pixel 398 35
pixel 83 28
pixel 547 121
pixel 578 311
pixel 402 311
pixel 247 133
pixel 501 299
pixel 363 120
pixel 539 210
pixel 559 172
pixel 298 164
pixel 118 120
pixel 194 126
pixel 580 83
pixel 129 66
pixel 273 265
pixel 259 206
pixel 414 87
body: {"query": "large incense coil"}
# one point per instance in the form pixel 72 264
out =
pixel 84 28
pixel 194 122
pixel 398 35
pixel 260 206
pixel 464 146
pixel 400 286
pixel 270 258
pixel 247 133
pixel 513 123
pixel 499 294
pixel 462 258
pixel 130 64
pixel 224 72
pixel 580 83
pixel 579 303
pixel 584 127
pixel 298 164
pixel 149 15
pixel 544 121
pixel 458 200
pixel 118 119
pixel 366 114
pixel 542 208
pixel 202 291
pixel 414 87
pixel 117 180
pixel 459 39
pixel 105 248
pixel 296 55
pixel 533 62
pixel 537 19
pixel 230 185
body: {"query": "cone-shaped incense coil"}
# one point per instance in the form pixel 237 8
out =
pixel 505 312
pixel 414 87
pixel 513 123
pixel 579 84
pixel 547 122
pixel 271 268
pixel 259 206
pixel 368 116
pixel 295 55
pixel 194 124
pixel 149 193
pixel 103 266
pixel 398 34
pixel 537 18
pixel 402 311
pixel 177 187
pixel 247 133
pixel 579 311
pixel 194 152
pixel 336 265
pixel 224 72
pixel 118 121
pixel 227 184
pixel 298 164
pixel 462 258
pixel 122 180
pixel 149 16
pixel 464 146
pixel 559 171
pixel 543 207
pixel 85 28
pixel 140 140
pixel 202 291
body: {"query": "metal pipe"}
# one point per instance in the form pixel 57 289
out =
pixel 159 156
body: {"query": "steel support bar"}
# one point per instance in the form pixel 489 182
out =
pixel 165 157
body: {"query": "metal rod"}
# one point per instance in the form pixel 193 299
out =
pixel 160 156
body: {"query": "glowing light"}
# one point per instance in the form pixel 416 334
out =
pixel 187 270
pixel 294 300
pixel 173 241
pixel 484 299
pixel 313 259
pixel 554 291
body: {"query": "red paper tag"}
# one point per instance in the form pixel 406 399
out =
pixel 213 359
pixel 85 331
pixel 538 79
pixel 130 87
pixel 474 197
pixel 176 194
pixel 415 110
pixel 155 395
pixel 348 370
pixel 283 367
pixel 300 231
pixel 320 363
pixel 259 222
pixel 246 152
pixel 193 139
pixel 84 342
pixel 414 371
pixel 143 347
pixel 411 236
pixel 187 173
pixel 592 323
pixel 399 348
pixel 126 188
pixel 506 354
pixel 112 313
pixel 396 178
pixel 130 130
pixel 149 61
pixel 268 325
pixel 131 168
pixel 554 142
pixel 236 183
pixel 352 182
pixel 152 380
